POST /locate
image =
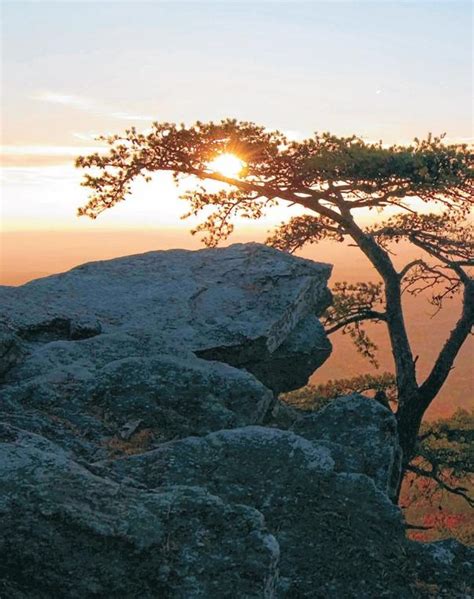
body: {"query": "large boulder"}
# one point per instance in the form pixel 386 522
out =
pixel 365 434
pixel 328 525
pixel 66 532
pixel 89 399
pixel 133 460
pixel 248 305
pixel 118 356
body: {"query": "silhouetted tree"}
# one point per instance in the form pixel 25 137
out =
pixel 381 387
pixel 335 179
pixel 445 455
pixel 438 489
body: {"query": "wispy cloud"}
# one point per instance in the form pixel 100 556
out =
pixel 78 102
pixel 86 136
pixel 32 156
pixel 47 150
pixel 126 116
pixel 86 104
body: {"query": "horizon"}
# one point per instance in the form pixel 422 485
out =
pixel 381 70
pixel 239 421
pixel 73 70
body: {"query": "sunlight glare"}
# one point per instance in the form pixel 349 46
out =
pixel 228 165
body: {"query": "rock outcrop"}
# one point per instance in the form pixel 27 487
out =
pixel 362 435
pixel 312 509
pixel 168 344
pixel 247 305
pixel 66 532
pixel 138 459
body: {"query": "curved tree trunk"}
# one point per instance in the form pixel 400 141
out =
pixel 413 399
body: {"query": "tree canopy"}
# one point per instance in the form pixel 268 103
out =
pixel 426 188
pixel 335 174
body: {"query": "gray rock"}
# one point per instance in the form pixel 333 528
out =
pixel 170 361
pixel 90 403
pixel 365 434
pixel 247 304
pixel 67 532
pixel 335 530
pixel 289 366
pixel 129 429
pixel 178 340
pixel 444 565
pixel 11 349
pixel 167 338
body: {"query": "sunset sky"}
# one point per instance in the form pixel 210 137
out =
pixel 71 70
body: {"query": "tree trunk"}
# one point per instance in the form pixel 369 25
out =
pixel 413 400
pixel 409 417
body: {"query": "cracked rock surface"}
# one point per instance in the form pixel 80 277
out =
pixel 247 305
pixel 137 456
pixel 184 342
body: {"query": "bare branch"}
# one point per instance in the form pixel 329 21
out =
pixel 443 364
pixel 369 315
pixel 461 491
pixel 409 266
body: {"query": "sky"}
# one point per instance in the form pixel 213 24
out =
pixel 72 70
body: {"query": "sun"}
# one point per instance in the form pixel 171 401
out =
pixel 228 165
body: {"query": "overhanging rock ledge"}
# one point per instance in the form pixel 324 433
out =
pixel 184 342
pixel 133 457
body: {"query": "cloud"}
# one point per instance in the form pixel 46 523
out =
pixel 131 117
pixel 89 105
pixel 78 102
pixel 31 156
pixel 87 136
pixel 46 150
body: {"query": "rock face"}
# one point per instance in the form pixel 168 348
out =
pixel 134 460
pixel 69 533
pixel 365 438
pixel 312 510
pixel 247 305
pixel 164 342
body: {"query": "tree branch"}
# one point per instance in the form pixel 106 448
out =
pixel 409 266
pixel 461 491
pixel 448 353
pixel 453 264
pixel 369 315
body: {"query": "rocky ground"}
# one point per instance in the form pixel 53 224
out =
pixel 143 452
